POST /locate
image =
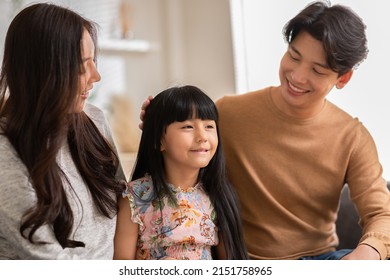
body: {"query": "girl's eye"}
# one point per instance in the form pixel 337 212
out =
pixel 210 125
pixel 187 126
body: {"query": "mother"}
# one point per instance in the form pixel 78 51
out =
pixel 59 171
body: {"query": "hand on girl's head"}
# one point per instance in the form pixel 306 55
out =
pixel 143 108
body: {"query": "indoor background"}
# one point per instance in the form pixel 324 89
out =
pixel 222 46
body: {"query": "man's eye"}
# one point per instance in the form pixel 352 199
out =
pixel 318 72
pixel 294 58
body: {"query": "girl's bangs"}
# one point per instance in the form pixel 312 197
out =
pixel 188 106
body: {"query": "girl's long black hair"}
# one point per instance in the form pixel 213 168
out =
pixel 178 104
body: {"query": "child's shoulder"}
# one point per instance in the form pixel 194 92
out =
pixel 141 187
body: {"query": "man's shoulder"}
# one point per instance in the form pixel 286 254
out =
pixel 338 115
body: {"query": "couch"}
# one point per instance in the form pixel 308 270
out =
pixel 347 224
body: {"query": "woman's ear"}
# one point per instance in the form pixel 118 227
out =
pixel 344 79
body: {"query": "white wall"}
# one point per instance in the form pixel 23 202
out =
pixel 259 25
pixel 199 45
pixel 6 14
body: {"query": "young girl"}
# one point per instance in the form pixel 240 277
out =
pixel 179 204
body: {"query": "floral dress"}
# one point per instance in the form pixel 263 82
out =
pixel 185 230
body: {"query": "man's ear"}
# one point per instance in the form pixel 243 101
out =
pixel 344 79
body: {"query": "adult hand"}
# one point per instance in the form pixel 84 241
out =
pixel 363 252
pixel 143 108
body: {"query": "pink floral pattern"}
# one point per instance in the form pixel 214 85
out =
pixel 166 230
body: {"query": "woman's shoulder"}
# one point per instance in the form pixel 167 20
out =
pixel 14 177
pixel 99 118
pixel 94 112
pixel 9 159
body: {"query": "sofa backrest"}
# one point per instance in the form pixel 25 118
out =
pixel 347 224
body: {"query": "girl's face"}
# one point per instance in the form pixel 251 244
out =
pixel 190 144
pixel 90 74
pixel 306 78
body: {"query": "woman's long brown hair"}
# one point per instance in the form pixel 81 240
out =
pixel 38 86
